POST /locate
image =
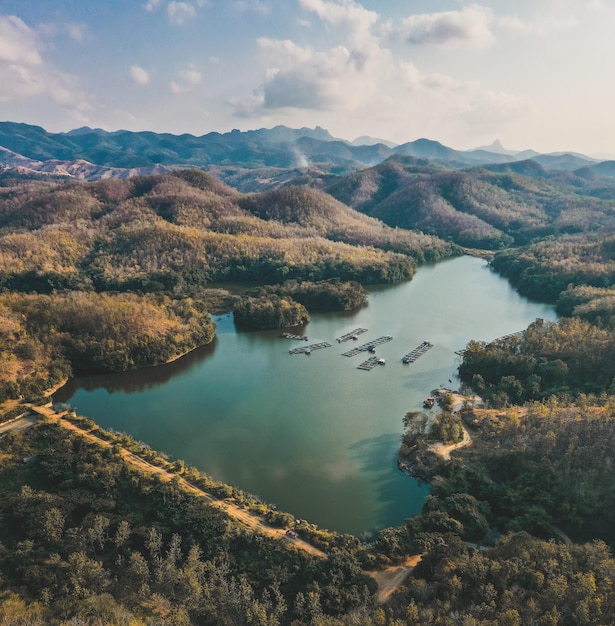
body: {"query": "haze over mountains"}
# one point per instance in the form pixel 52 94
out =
pixel 93 154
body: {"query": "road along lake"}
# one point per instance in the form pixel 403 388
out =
pixel 312 433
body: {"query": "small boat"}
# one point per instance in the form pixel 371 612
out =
pixel 381 361
pixel 308 351
pixel 371 348
pixel 429 402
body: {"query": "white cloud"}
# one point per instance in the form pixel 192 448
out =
pixel 76 32
pixel 25 75
pixel 186 80
pixel 393 96
pixel 180 12
pixel 304 79
pixel 18 43
pixel 139 75
pixel 342 13
pixel 470 26
pixel 152 5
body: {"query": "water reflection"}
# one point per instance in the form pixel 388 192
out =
pixel 398 497
pixel 313 435
pixel 137 381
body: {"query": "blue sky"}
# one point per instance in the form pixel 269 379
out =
pixel 534 73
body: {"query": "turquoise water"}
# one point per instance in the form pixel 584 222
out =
pixel 313 434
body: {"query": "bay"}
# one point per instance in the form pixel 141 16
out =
pixel 313 434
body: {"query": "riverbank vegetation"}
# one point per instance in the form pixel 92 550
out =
pixel 88 540
pixel 49 336
pixel 110 276
pixel 325 295
pixel 269 312
pixel 571 356
pixel 178 232
pixel 544 269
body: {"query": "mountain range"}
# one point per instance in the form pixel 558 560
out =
pixel 92 154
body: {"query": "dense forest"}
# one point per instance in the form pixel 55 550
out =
pixel 329 295
pixel 88 540
pixel 178 232
pixel 46 337
pixel 270 312
pixel 479 207
pixel 112 275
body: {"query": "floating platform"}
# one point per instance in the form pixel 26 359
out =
pixel 370 363
pixel 368 347
pixel 291 336
pixel 353 334
pixel 310 349
pixel 418 352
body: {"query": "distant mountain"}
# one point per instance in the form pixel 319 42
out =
pixel 497 148
pixel 563 161
pixel 86 130
pixel 528 167
pixel 488 207
pixel 606 169
pixel 79 169
pixel 93 153
pixel 366 140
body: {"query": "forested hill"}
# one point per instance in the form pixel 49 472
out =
pixel 178 232
pixel 508 206
pixel 92 154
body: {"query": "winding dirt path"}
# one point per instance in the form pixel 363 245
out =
pixel 391 578
pixel 444 450
pixel 388 579
pixel 250 520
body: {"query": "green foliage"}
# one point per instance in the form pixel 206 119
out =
pixel 330 295
pixel 447 427
pixel 174 233
pixel 49 336
pixel 269 312
pixel 87 538
pixel 570 356
pixel 474 207
pixel 521 580
pixel 594 304
pixel 544 269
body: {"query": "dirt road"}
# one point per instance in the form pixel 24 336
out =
pixel 243 516
pixel 390 579
pixel 444 450
pixel 18 424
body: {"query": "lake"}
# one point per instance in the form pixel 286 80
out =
pixel 313 434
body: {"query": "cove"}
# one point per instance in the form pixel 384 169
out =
pixel 313 434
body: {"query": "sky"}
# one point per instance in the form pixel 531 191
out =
pixel 536 74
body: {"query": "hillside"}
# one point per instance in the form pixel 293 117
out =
pixel 509 205
pixel 181 231
pixel 94 154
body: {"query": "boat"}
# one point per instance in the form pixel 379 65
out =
pixel 381 361
pixel 372 348
pixel 429 402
